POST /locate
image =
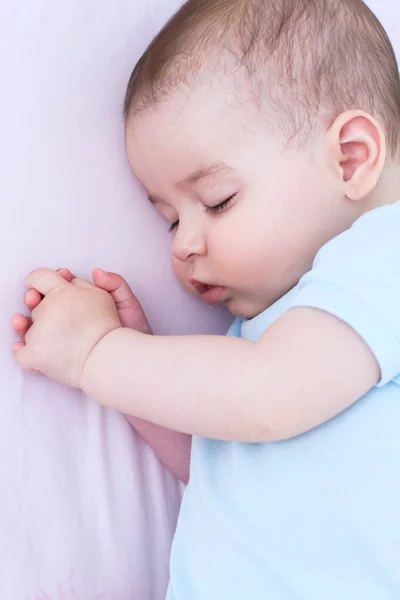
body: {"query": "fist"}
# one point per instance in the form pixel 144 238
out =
pixel 65 326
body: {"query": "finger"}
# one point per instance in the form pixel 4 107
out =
pixel 66 273
pixel 17 346
pixel 82 283
pixel 68 276
pixel 32 299
pixel 116 286
pixel 129 309
pixel 44 280
pixel 20 323
pixel 23 357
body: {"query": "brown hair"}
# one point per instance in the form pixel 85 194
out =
pixel 304 59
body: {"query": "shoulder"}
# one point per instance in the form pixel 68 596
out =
pixel 356 277
pixel 374 235
pixel 364 259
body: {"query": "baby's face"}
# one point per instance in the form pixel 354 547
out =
pixel 247 218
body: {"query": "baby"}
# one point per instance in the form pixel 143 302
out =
pixel 266 133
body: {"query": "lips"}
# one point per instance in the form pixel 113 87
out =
pixel 211 294
pixel 200 287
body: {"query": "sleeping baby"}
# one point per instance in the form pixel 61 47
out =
pixel 267 135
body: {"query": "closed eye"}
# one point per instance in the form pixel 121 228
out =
pixel 220 207
pixel 210 209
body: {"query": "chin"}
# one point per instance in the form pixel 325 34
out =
pixel 243 310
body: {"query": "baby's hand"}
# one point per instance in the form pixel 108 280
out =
pixel 64 327
pixel 130 312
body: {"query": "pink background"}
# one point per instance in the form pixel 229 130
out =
pixel 86 510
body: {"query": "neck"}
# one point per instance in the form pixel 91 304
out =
pixel 387 190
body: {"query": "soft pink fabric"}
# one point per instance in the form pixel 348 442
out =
pixel 171 447
pixel 86 510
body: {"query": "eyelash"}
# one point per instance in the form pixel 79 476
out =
pixel 214 210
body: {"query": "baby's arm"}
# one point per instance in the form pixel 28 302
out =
pixel 308 367
pixel 340 337
pixel 172 448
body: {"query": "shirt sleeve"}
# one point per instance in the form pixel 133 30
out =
pixel 356 277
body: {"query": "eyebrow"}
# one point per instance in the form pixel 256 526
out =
pixel 213 169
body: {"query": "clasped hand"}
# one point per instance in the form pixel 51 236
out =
pixel 64 327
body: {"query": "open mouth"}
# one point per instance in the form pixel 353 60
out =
pixel 211 294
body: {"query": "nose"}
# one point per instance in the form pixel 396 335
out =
pixel 189 241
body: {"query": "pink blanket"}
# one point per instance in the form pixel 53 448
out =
pixel 86 510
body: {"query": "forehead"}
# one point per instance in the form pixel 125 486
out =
pixel 188 133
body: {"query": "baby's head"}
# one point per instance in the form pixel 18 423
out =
pixel 261 129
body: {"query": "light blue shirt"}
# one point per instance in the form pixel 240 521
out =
pixel 316 517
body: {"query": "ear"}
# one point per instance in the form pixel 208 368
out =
pixel 357 149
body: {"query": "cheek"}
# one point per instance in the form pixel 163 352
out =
pixel 181 273
pixel 179 268
pixel 258 253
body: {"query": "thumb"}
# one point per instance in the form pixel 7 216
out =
pixel 23 356
pixel 129 309
pixel 115 285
